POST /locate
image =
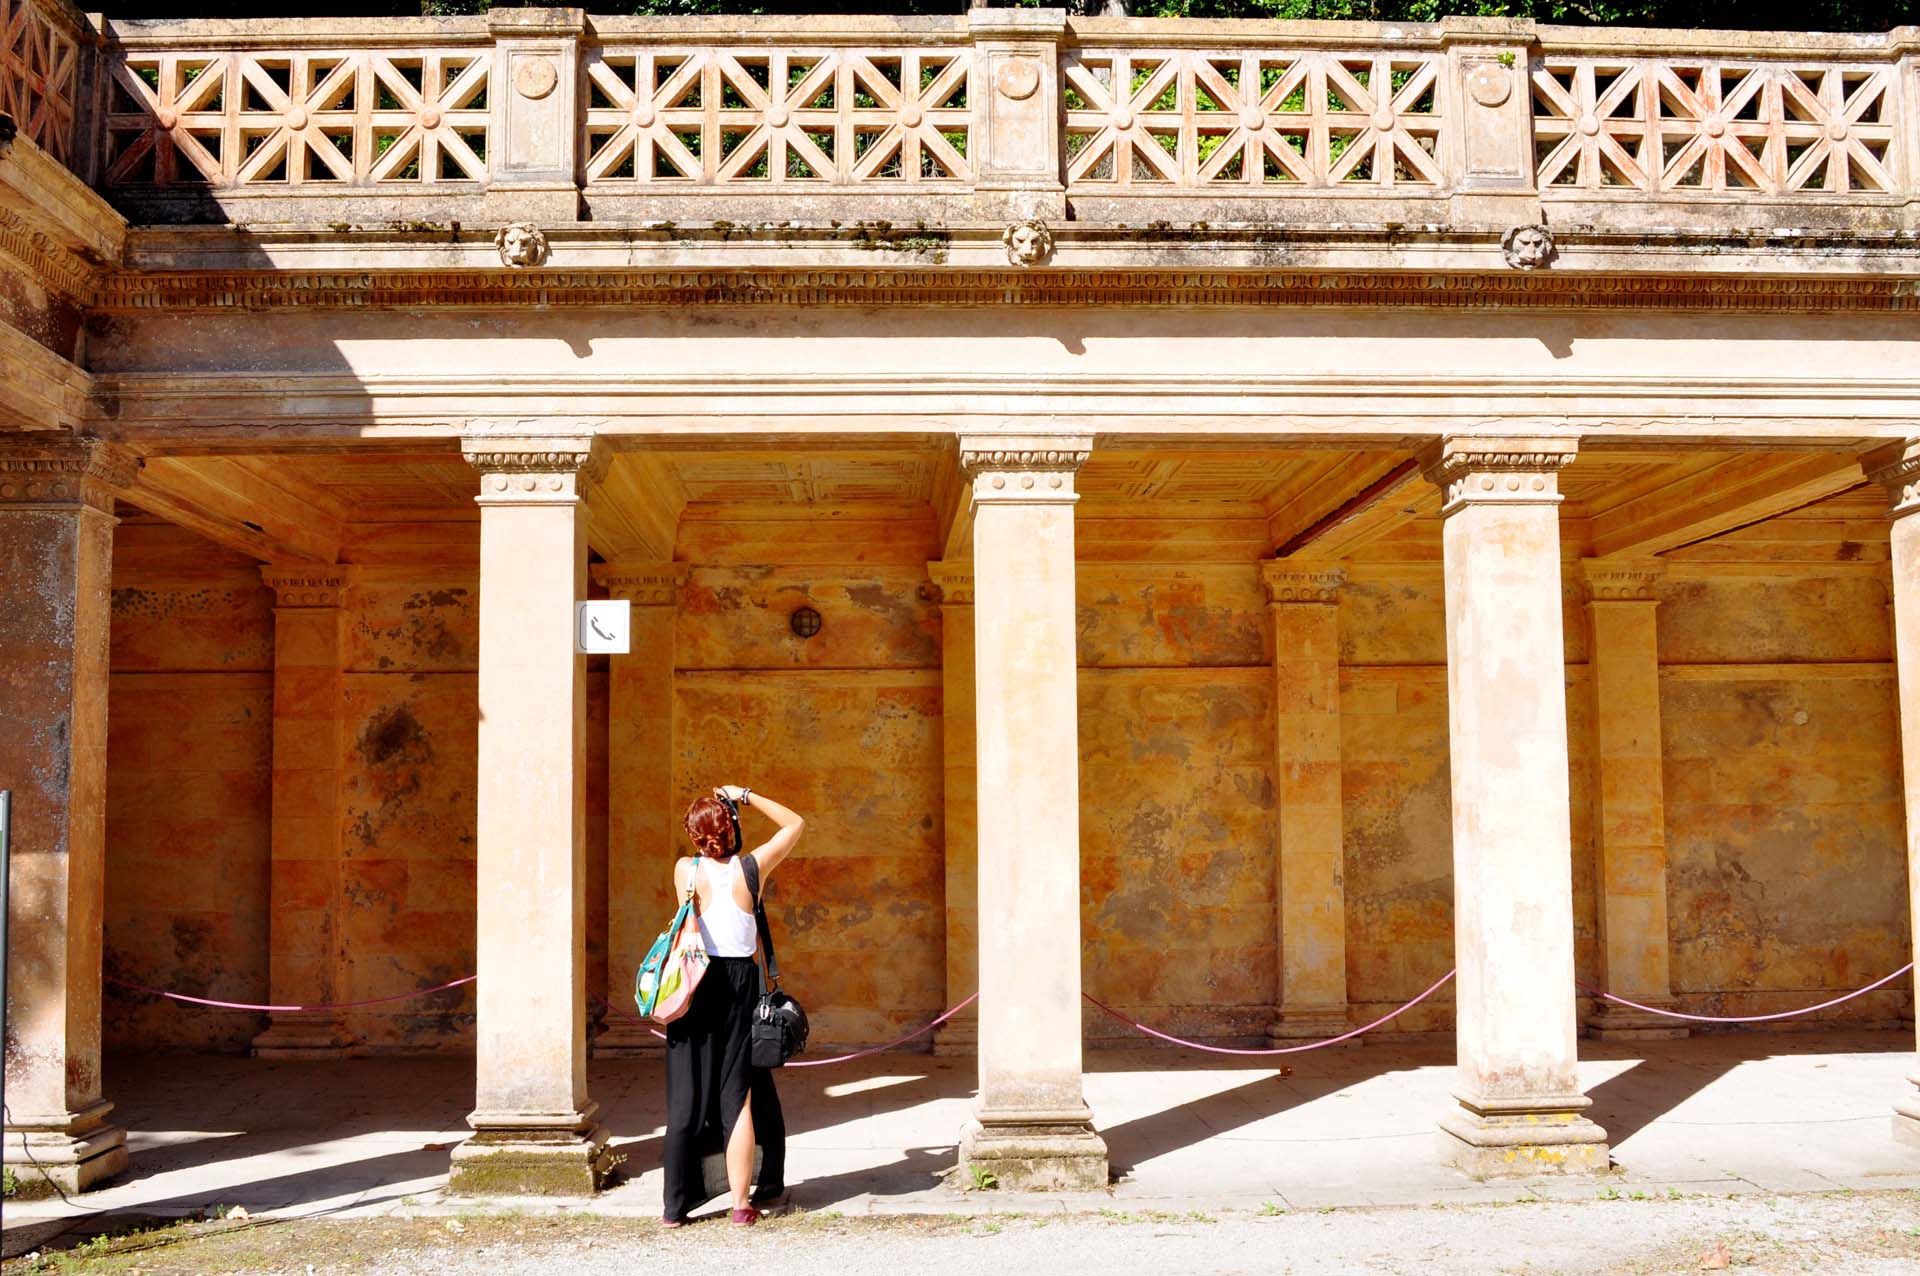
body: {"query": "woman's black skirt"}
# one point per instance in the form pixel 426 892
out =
pixel 710 1078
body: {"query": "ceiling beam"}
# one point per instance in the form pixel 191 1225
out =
pixel 633 512
pixel 952 509
pixel 1333 509
pixel 245 503
pixel 1743 490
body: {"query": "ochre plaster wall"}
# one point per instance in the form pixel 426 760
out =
pixel 189 780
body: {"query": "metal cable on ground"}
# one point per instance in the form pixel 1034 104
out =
pixel 1311 1045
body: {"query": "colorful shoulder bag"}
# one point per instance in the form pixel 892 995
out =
pixel 664 987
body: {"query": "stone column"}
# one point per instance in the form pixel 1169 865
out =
pixel 1309 870
pixel 304 948
pixel 642 824
pixel 56 553
pixel 953 582
pixel 1629 809
pixel 1897 467
pixel 1032 1126
pixel 534 1127
pixel 1520 1102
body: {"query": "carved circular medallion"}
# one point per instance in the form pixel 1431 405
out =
pixel 1252 119
pixel 910 114
pixel 1587 125
pixel 535 78
pixel 1121 119
pixel 1382 120
pixel 1018 79
pixel 1716 127
pixel 165 118
pixel 1489 84
pixel 777 116
pixel 642 113
pixel 1837 130
pixel 297 118
pixel 430 118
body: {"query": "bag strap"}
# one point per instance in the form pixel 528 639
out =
pixel 751 868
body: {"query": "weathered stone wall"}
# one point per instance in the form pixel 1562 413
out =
pixel 189 788
pixel 1782 804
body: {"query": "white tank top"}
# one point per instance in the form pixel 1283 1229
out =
pixel 725 928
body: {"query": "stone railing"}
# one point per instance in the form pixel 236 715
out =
pixel 1001 112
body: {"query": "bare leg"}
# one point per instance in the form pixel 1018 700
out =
pixel 740 1158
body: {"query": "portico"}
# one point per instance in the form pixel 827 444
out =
pixel 1225 600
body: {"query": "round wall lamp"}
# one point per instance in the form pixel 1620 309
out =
pixel 805 622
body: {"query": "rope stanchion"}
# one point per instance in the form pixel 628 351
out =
pixel 1784 1014
pixel 1311 1045
pixel 287 1010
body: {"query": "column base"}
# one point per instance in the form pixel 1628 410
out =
pixel 1036 1151
pixel 64 1153
pixel 1522 1138
pixel 303 1038
pixel 625 1040
pixel 531 1154
pixel 1294 1024
pixel 1610 1022
pixel 956 1037
pixel 1906 1115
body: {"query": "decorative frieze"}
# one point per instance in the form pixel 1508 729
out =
pixel 1023 467
pixel 307 584
pixel 642 584
pixel 1512 471
pixel 951 583
pixel 533 469
pixel 63 472
pixel 1288 583
pixel 1629 582
pixel 220 290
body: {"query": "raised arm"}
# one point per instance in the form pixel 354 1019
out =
pixel 776 848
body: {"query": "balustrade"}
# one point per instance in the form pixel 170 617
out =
pixel 780 118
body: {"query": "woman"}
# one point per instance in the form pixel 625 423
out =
pixel 711 1083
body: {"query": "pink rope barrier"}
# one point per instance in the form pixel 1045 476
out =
pixel 1311 1045
pixel 1784 1014
pixel 245 1005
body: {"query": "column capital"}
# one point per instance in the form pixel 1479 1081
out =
pixel 1497 470
pixel 952 582
pixel 642 584
pixel 307 584
pixel 534 469
pixel 1023 468
pixel 1896 467
pixel 1289 583
pixel 1628 581
pixel 62 472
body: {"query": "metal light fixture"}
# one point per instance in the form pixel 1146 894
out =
pixel 805 622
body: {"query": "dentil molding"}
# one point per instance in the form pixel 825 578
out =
pixel 1289 583
pixel 642 584
pixel 63 473
pixel 1493 470
pixel 307 584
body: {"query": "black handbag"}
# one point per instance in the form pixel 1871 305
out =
pixel 779 1024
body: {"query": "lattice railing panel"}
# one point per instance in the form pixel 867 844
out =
pixel 721 117
pixel 1173 118
pixel 39 77
pixel 1660 125
pixel 309 117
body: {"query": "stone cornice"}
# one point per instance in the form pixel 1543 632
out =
pixel 642 584
pixel 61 472
pixel 951 582
pixel 307 584
pixel 1606 581
pixel 1896 467
pixel 1290 583
pixel 52 264
pixel 1497 470
pixel 55 224
pixel 468 289
pixel 533 469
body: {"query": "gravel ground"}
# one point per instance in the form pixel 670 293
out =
pixel 1870 1234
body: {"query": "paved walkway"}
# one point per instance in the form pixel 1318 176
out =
pixel 1717 1114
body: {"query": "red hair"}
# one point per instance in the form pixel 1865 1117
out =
pixel 710 828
